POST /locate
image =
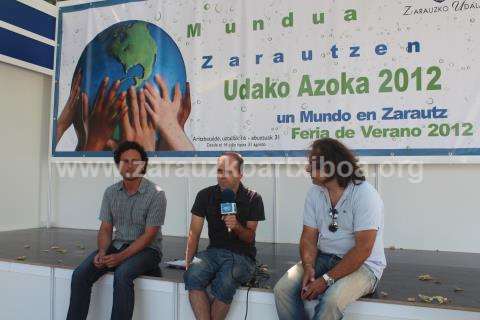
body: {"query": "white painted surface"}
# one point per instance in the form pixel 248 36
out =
pixel 25 285
pixel 156 299
pixel 153 298
pixel 441 212
pixel 261 305
pixel 24 126
pixel 77 194
pixel 361 310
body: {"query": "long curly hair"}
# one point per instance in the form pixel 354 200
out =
pixel 328 150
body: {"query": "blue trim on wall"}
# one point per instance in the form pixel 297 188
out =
pixel 26 49
pixel 28 18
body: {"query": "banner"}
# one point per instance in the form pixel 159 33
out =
pixel 266 78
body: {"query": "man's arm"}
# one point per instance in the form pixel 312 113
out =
pixel 354 259
pixel 246 234
pixel 256 213
pixel 104 237
pixel 308 246
pixel 196 226
pixel 308 254
pixel 138 245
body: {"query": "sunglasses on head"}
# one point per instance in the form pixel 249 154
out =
pixel 333 227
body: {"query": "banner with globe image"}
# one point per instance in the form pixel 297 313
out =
pixel 189 79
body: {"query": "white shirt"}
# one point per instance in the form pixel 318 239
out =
pixel 359 208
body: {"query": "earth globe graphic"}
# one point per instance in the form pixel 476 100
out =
pixel 133 52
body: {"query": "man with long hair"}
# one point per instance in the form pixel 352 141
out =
pixel 341 246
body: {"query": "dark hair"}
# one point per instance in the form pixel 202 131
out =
pixel 130 145
pixel 333 151
pixel 236 157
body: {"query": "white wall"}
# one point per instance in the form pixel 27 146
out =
pixel 438 211
pixel 442 212
pixel 24 122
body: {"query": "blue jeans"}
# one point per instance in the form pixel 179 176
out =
pixel 86 274
pixel 225 270
pixel 332 303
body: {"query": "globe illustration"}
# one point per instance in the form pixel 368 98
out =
pixel 133 52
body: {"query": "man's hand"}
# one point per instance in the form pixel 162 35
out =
pixel 185 107
pixel 80 122
pixel 163 111
pixel 66 118
pixel 113 260
pixel 138 127
pixel 98 261
pixel 231 221
pixel 167 115
pixel 107 110
pixel 308 276
pixel 187 264
pixel 314 289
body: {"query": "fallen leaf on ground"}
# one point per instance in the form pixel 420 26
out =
pixel 425 298
pixel 425 277
pixel 22 258
pixel 428 299
pixel 411 299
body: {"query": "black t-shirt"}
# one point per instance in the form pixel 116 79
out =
pixel 249 208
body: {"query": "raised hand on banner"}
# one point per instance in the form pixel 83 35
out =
pixel 136 126
pixel 80 122
pixel 182 116
pixel 185 107
pixel 67 116
pixel 104 117
pixel 165 114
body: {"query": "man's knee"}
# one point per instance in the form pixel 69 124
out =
pixel 78 278
pixel 194 278
pixel 82 276
pixel 332 303
pixel 124 275
pixel 224 288
pixel 282 288
pixel 289 283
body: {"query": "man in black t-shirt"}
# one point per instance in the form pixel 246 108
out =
pixel 229 260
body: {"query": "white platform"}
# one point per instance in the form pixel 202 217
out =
pixel 42 293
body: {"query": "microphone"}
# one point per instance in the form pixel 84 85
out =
pixel 227 204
